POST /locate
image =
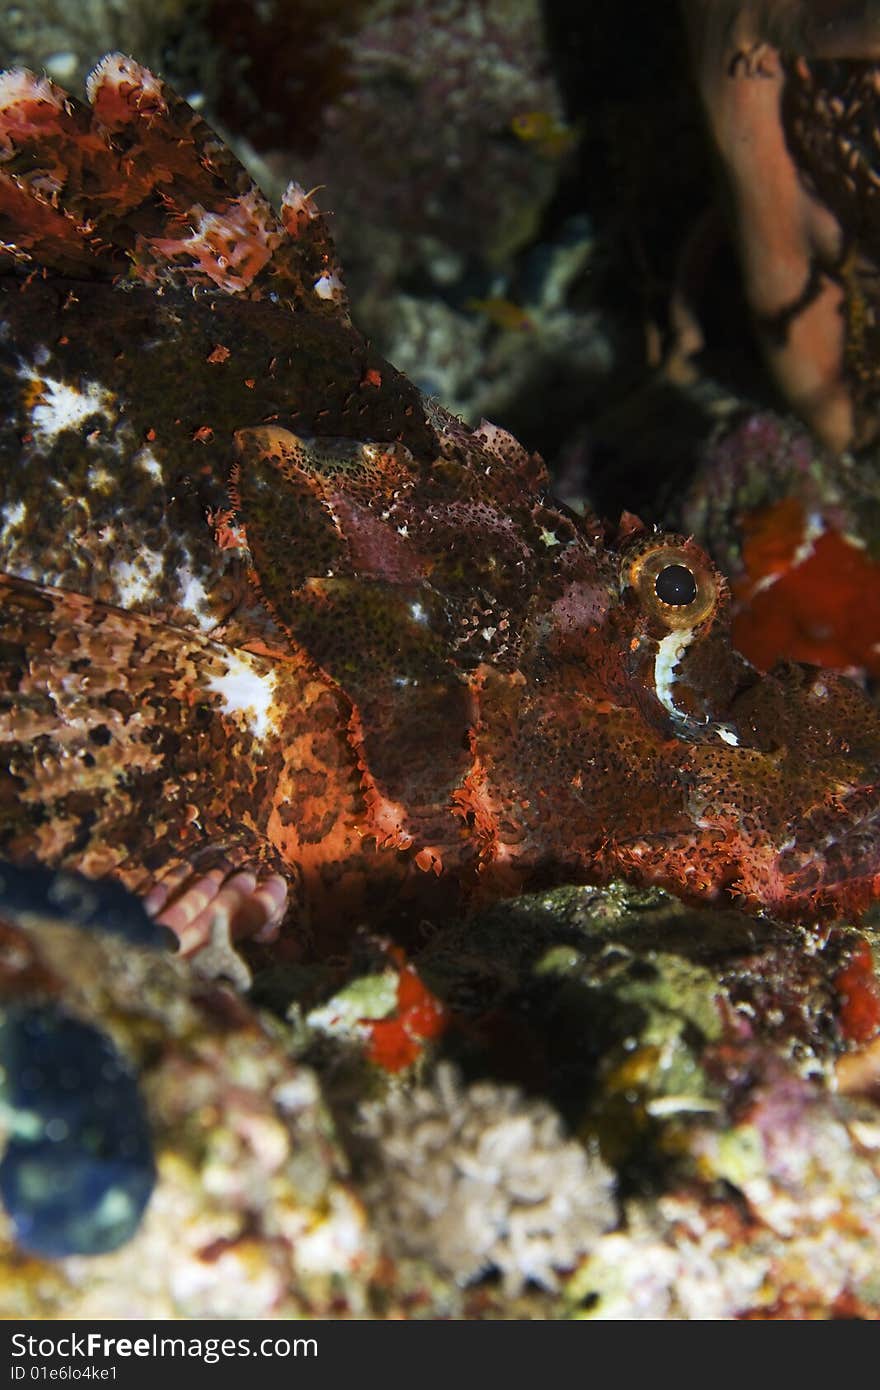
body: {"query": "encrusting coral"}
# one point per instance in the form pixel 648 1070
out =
pixel 796 528
pixel 481 1178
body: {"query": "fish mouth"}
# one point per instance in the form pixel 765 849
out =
pixel 799 795
pixel 829 866
pixel 836 848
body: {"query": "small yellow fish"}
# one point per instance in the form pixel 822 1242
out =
pixel 549 136
pixel 500 312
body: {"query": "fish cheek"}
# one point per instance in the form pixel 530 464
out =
pixel 385 646
pixel 823 718
pixel 289 528
pixel 315 509
pixel 708 677
pixel 345 585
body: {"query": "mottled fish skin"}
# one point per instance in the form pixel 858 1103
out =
pixel 264 606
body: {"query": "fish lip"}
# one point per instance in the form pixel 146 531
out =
pixel 844 854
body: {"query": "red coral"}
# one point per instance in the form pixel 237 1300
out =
pixel 859 994
pixel 808 597
pixel 396 1042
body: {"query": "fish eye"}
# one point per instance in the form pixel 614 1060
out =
pixel 676 585
pixel 675 582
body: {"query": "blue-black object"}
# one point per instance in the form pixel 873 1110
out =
pixel 78 1171
pixel 91 904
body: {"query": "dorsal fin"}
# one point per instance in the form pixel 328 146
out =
pixel 137 181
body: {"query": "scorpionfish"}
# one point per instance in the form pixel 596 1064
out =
pixel 272 619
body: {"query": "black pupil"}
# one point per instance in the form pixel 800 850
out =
pixel 675 585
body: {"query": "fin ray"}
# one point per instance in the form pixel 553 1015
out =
pixel 136 180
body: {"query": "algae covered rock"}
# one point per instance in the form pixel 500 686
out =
pixel 587 1103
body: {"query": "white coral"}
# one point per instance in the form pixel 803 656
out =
pixel 481 1177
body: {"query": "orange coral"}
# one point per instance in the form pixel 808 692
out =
pixel 808 593
pixel 396 1042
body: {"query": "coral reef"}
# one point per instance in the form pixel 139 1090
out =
pixel 63 36
pixel 637 1110
pixel 419 151
pixel 796 530
pixel 711 1058
pixel 251 1215
pixel 482 1179
pixel 326 676
pixel 520 355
